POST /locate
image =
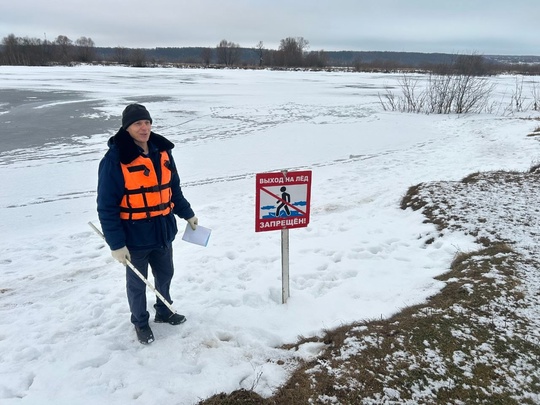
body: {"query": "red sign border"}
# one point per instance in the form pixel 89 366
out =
pixel 281 178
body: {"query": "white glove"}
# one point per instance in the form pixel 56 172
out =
pixel 193 222
pixel 121 255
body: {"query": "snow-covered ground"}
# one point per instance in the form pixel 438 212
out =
pixel 65 335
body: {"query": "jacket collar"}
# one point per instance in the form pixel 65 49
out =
pixel 129 150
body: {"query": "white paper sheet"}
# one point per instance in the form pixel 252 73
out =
pixel 198 236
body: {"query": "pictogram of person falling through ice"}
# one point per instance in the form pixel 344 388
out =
pixel 285 198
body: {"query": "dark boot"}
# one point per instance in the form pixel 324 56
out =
pixel 144 334
pixel 174 319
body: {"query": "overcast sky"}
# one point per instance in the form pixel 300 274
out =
pixel 505 27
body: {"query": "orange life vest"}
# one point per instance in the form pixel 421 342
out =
pixel 144 196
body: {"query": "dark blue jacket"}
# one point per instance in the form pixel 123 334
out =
pixel 145 233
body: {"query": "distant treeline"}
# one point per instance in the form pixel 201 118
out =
pixel 292 53
pixel 251 57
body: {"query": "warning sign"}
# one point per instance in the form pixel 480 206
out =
pixel 282 200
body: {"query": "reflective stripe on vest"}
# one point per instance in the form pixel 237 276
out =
pixel 145 197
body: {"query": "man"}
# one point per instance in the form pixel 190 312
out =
pixel 138 194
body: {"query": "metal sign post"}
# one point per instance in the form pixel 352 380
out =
pixel 284 266
pixel 282 202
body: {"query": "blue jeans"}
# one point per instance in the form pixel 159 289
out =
pixel 161 262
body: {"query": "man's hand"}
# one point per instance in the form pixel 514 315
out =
pixel 121 255
pixel 193 222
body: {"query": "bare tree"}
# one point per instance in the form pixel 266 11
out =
pixel 32 51
pixel 24 51
pixel 259 48
pixel 121 55
pixel 292 50
pixel 64 47
pixel 85 49
pixel 206 56
pixel 12 52
pixel 228 53
pixel 137 58
pixel 221 52
pixel 471 65
pixel 317 59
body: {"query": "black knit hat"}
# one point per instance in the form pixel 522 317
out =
pixel 133 113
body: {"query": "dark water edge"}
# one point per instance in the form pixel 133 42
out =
pixel 31 118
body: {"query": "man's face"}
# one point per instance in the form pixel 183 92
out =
pixel 140 131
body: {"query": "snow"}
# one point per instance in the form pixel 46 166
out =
pixel 65 334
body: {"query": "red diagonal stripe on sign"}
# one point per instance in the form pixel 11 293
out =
pixel 285 202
